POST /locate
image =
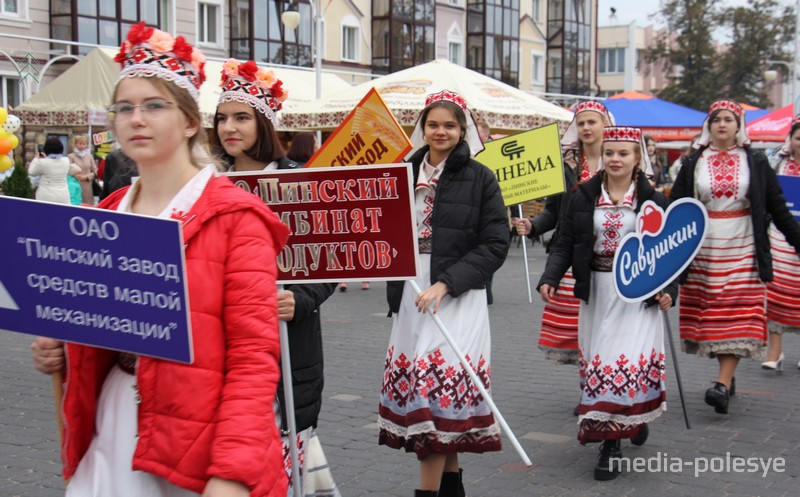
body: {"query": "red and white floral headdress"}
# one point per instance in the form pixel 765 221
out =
pixel 472 137
pixel 249 84
pixel 150 52
pixel 730 105
pixel 570 139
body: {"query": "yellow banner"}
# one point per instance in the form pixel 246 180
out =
pixel 527 165
pixel 370 134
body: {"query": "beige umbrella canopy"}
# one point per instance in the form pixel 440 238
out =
pixel 89 84
pixel 505 108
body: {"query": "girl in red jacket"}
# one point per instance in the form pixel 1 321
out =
pixel 139 426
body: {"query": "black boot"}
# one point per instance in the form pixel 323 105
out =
pixel 425 493
pixel 718 397
pixel 452 486
pixel 641 437
pixel 607 469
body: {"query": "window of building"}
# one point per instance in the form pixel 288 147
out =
pixel 456 3
pixel 350 39
pixel 10 91
pixel 9 7
pixel 536 9
pixel 569 46
pixel 493 39
pixel 537 68
pixel 454 52
pixel 611 60
pixel 256 32
pixel 402 33
pixel 455 44
pixel 104 22
pixel 209 23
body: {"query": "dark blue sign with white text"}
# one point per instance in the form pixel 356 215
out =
pixel 791 190
pixel 663 245
pixel 95 277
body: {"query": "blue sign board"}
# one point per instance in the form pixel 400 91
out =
pixel 95 277
pixel 791 190
pixel 663 245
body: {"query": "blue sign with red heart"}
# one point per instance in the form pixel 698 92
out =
pixel 663 245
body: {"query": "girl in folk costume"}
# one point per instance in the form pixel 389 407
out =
pixel 428 404
pixel 621 344
pixel 581 147
pixel 244 125
pixel 139 426
pixel 783 292
pixel 722 311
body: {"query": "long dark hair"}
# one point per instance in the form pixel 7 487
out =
pixel 302 147
pixel 267 147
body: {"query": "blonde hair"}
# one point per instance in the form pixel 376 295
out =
pixel 199 154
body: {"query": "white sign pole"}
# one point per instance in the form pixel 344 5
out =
pixel 476 381
pixel 525 255
pixel 288 396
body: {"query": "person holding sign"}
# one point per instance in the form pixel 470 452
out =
pixel 138 426
pixel 244 124
pixel 722 311
pixel 617 339
pixel 783 292
pixel 427 403
pixel 581 148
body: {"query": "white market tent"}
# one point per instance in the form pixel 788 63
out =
pixel 505 108
pixel 89 84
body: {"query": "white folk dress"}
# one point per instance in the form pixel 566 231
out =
pixel 428 403
pixel 723 301
pixel 783 293
pixel 621 344
pixel 105 469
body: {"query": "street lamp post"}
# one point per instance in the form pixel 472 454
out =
pixel 771 75
pixel 291 20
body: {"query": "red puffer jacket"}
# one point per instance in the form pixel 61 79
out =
pixel 213 418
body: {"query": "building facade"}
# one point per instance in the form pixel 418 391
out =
pixel 537 45
pixel 622 60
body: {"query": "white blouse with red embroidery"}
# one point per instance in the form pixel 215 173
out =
pixel 722 179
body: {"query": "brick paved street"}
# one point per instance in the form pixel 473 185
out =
pixel 535 396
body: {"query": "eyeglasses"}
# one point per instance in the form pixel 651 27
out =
pixel 154 107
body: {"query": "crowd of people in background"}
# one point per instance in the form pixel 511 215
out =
pixel 218 427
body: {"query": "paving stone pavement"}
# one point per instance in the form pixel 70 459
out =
pixel 535 396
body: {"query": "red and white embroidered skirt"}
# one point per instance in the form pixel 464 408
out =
pixel 723 302
pixel 783 293
pixel 428 403
pixel 558 337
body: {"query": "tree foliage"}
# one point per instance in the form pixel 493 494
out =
pixel 759 32
pixel 18 184
pixel 701 70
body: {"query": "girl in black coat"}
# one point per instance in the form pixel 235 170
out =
pixel 722 311
pixel 621 344
pixel 428 404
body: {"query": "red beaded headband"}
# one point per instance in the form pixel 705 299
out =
pixel 447 95
pixel 622 134
pixel 726 105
